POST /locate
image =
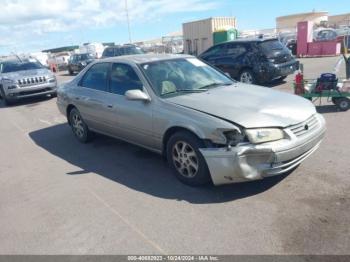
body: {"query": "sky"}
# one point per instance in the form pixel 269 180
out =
pixel 34 25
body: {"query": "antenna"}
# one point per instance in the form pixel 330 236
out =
pixel 127 18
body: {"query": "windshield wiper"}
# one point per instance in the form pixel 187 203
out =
pixel 214 85
pixel 186 91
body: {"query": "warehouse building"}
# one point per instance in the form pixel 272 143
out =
pixel 337 21
pixel 289 23
pixel 198 36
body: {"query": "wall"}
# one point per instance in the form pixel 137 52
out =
pixel 339 20
pixel 198 35
pixel 289 23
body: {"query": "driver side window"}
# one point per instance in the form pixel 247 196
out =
pixel 123 78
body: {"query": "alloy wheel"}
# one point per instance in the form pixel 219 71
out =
pixel 185 159
pixel 247 78
pixel 78 126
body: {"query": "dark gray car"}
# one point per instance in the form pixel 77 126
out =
pixel 209 127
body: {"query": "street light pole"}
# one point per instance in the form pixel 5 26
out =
pixel 127 18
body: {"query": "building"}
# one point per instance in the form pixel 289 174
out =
pixel 198 35
pixel 289 23
pixel 337 21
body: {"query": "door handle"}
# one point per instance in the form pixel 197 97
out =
pixel 109 106
pixel 77 98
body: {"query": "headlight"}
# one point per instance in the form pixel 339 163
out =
pixel 233 137
pixel 257 136
pixel 52 79
pixel 83 63
pixel 8 81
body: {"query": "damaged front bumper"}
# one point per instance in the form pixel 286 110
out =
pixel 253 162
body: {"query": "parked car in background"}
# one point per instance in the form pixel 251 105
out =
pixel 252 61
pixel 169 104
pixel 21 78
pixel 128 49
pixel 78 61
pixel 96 49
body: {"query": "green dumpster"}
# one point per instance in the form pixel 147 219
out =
pixel 225 35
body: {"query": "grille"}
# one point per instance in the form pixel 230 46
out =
pixel 305 127
pixel 32 81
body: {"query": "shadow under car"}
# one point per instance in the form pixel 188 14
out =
pixel 137 168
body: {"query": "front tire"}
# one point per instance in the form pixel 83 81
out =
pixel 79 128
pixel 7 102
pixel 185 159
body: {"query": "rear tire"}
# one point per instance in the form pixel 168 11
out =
pixel 70 71
pixel 79 128
pixel 247 76
pixel 185 159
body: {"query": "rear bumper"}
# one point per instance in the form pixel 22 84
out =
pixel 254 162
pixel 272 71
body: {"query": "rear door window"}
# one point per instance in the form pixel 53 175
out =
pixel 96 77
pixel 271 46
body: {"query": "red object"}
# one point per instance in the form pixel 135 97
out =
pixel 299 84
pixel 307 47
pixel 324 48
pixel 304 37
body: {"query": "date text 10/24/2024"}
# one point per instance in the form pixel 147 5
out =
pixel 173 258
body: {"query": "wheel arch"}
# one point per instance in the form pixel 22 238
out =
pixel 244 68
pixel 175 129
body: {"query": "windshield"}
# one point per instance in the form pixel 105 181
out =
pixel 8 67
pixel 84 57
pixel 178 76
pixel 270 46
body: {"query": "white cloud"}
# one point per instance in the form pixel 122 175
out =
pixel 30 20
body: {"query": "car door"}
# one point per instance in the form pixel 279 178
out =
pixel 232 60
pixel 132 119
pixel 213 55
pixel 93 100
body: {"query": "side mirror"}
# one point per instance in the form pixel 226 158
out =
pixel 137 94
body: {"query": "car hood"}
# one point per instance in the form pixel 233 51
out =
pixel 249 106
pixel 26 73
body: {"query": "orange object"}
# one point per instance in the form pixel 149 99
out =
pixel 53 67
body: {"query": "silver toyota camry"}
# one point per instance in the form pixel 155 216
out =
pixel 209 127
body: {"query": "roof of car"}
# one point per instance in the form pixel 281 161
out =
pixel 144 58
pixel 249 40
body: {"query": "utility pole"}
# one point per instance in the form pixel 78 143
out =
pixel 127 18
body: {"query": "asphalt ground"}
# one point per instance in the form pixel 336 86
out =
pixel 58 196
